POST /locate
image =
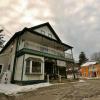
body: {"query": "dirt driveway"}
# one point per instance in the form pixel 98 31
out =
pixel 88 90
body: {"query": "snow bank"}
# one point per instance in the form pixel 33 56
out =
pixel 81 81
pixel 12 89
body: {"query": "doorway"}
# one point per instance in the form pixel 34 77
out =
pixel 50 68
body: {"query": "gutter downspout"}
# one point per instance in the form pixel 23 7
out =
pixel 22 69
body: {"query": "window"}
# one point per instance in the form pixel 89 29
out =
pixel 43 32
pixel 0 69
pixel 49 35
pixel 36 67
pixel 33 66
pixel 27 67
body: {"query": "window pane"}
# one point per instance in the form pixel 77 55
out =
pixel 36 67
pixel 27 66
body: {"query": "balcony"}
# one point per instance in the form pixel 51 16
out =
pixel 68 56
pixel 47 50
pixel 42 48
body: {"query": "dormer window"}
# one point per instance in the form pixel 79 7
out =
pixel 43 32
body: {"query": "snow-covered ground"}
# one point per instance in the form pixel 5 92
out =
pixel 81 81
pixel 12 89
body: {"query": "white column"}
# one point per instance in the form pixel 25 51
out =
pixel 30 66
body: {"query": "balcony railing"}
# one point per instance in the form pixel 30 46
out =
pixel 48 50
pixel 68 56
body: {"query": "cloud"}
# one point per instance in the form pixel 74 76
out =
pixel 75 21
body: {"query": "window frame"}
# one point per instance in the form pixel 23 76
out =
pixel 30 68
pixel 35 66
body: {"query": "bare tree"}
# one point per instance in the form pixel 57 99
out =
pixel 1 38
pixel 96 56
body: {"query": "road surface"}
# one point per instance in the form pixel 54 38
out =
pixel 88 90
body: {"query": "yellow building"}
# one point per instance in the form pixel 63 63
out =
pixel 90 69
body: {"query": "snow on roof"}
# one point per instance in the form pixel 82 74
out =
pixel 89 63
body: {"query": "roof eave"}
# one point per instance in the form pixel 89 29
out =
pixel 12 38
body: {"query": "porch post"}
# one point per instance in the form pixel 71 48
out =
pixel 58 70
pixel 53 69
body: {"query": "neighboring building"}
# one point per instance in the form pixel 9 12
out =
pixel 72 70
pixel 33 53
pixel 90 69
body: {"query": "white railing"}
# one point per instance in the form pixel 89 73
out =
pixel 45 49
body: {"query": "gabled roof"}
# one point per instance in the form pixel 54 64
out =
pixel 17 34
pixel 49 26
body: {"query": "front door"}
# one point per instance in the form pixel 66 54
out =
pixel 50 68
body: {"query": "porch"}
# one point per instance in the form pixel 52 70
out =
pixel 53 69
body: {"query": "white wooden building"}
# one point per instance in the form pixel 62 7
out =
pixel 33 53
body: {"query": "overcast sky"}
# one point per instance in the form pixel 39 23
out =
pixel 77 22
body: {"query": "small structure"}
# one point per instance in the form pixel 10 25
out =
pixel 72 70
pixel 32 54
pixel 90 70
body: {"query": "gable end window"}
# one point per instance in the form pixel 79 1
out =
pixel 33 66
pixel 43 32
pixel 49 35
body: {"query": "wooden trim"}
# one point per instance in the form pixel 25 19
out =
pixel 34 52
pixel 27 82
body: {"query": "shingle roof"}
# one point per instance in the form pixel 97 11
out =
pixel 32 30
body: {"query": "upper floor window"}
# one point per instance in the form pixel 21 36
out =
pixel 49 35
pixel 43 32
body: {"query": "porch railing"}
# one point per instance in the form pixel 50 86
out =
pixel 49 50
pixel 68 56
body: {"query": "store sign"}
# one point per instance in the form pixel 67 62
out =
pixel 61 63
